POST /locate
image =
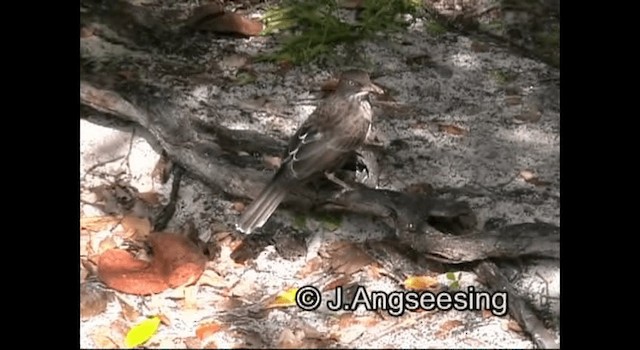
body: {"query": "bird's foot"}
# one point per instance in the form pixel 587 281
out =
pixel 331 177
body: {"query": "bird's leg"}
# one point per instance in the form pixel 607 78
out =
pixel 331 177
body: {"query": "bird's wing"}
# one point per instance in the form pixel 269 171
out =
pixel 318 146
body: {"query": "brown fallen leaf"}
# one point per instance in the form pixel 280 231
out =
pixel 486 313
pixel 347 258
pixel 127 311
pixel 164 319
pixel 205 12
pixel 289 339
pixel 374 271
pixel 206 329
pixel 452 129
pixel 98 223
pixel 192 343
pixel 102 338
pixel 151 198
pixel 512 325
pixel 93 300
pixel 137 227
pixel 446 328
pixel 531 115
pixel 230 23
pixel 212 279
pixel 312 266
pixel 176 261
pixel 338 282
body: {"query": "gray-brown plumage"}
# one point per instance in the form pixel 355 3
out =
pixel 337 127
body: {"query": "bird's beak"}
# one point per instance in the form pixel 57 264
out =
pixel 373 88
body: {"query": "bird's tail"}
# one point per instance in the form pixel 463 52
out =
pixel 258 212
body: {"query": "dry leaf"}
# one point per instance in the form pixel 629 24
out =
pixel 211 344
pixel 102 338
pixel 452 129
pixel 164 320
pixel 512 325
pixel 140 227
pixel 312 266
pixel 421 283
pixel 206 329
pixel 289 340
pixel 231 23
pixel 243 288
pixel 446 328
pixel 347 258
pixel 212 279
pixel 93 300
pixel 203 12
pixel 350 334
pixel 192 343
pixel 151 198
pixel 89 266
pixel 128 312
pixel 486 313
pixel 98 223
pixel 374 271
pixel 285 298
pixel 341 281
pixel 190 297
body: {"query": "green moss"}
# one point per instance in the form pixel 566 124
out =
pixel 329 221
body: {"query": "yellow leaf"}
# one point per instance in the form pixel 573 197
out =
pixel 285 298
pixel 420 282
pixel 142 332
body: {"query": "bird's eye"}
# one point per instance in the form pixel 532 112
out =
pixel 351 83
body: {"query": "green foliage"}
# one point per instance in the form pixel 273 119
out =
pixel 300 221
pixel 312 28
pixel 435 28
pixel 330 221
pixel 455 281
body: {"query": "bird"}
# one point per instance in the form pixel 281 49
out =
pixel 320 145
